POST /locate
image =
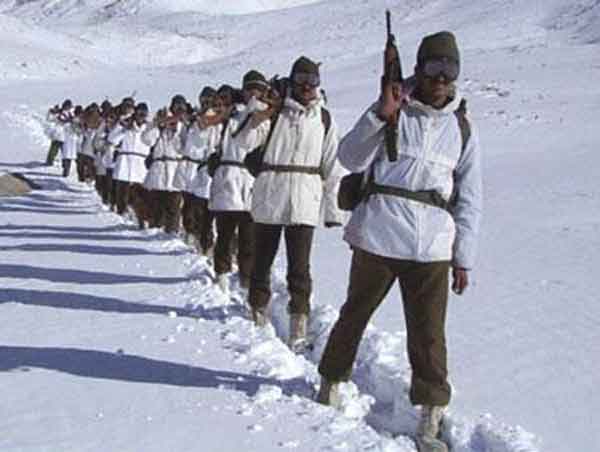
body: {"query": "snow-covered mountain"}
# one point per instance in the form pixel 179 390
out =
pixel 117 340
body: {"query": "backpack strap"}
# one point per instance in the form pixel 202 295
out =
pixel 326 120
pixel 463 123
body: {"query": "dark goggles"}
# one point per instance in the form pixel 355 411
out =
pixel 433 68
pixel 306 78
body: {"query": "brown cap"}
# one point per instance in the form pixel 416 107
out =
pixel 305 65
pixel 254 79
pixel 438 45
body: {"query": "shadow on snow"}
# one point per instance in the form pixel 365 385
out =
pixel 131 368
pixel 59 275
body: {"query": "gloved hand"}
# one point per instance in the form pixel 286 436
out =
pixel 332 224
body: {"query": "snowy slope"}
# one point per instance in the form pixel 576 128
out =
pixel 79 287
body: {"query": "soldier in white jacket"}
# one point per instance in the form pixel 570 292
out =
pixel 86 171
pixel 102 148
pixel 192 177
pixel 73 136
pixel 130 170
pixel 231 191
pixel 401 231
pixel 299 174
pixel 55 120
pixel 165 138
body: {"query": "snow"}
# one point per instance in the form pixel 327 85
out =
pixel 116 339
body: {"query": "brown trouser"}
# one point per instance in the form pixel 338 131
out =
pixel 298 243
pixel 201 222
pixel 86 169
pixel 55 147
pixel 227 223
pixel 133 195
pixel 166 209
pixel 110 189
pixel 424 288
pixel 101 188
pixel 66 167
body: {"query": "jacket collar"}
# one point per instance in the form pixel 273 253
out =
pixel 431 111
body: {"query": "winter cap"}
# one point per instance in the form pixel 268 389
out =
pixel 254 79
pixel 438 45
pixel 208 91
pixel 178 99
pixel 142 106
pixel 128 101
pixel 305 65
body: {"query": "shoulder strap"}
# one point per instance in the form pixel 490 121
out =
pixel 326 119
pixel 463 123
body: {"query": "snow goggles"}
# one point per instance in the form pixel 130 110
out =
pixel 306 78
pixel 448 68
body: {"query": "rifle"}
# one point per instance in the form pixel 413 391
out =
pixel 392 72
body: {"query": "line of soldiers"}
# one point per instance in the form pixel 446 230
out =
pixel 189 166
pixel 265 162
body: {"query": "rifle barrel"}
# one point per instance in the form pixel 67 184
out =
pixel 388 21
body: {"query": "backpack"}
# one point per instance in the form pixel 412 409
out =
pixel 254 159
pixel 353 187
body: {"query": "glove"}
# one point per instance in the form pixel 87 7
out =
pixel 332 224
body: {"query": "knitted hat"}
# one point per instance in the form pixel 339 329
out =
pixel 304 65
pixel 142 106
pixel 254 79
pixel 207 91
pixel 178 99
pixel 438 45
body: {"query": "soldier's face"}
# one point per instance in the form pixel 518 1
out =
pixel 435 91
pixel 304 93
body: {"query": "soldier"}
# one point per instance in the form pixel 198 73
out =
pixel 103 155
pixel 56 118
pixel 73 136
pixel 86 170
pixel 402 231
pixel 231 190
pixel 299 173
pixel 192 177
pixel 165 138
pixel 130 169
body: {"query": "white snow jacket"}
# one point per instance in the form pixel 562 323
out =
pixel 130 165
pixel 430 156
pixel 53 128
pixel 231 188
pixel 199 144
pixel 87 144
pixel 166 146
pixel 298 139
pixel 101 146
pixel 72 140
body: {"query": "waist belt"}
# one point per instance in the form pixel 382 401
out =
pixel 189 159
pixel 166 159
pixel 430 197
pixel 232 163
pixel 315 170
pixel 138 154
